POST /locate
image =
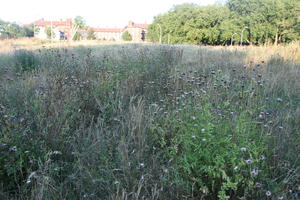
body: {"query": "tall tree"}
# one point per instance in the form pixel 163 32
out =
pixel 252 21
pixel 11 30
pixel 79 21
pixel 274 19
pixel 189 23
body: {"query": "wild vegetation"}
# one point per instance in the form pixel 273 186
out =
pixel 13 30
pixel 255 22
pixel 35 43
pixel 126 36
pixel 150 122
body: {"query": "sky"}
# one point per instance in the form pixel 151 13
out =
pixel 97 13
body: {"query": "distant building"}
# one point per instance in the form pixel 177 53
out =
pixel 109 34
pixel 137 31
pixel 63 30
pixel 60 29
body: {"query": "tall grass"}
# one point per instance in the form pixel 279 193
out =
pixel 9 45
pixel 150 122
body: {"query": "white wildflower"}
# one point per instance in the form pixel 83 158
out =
pixel 249 161
pixel 268 193
pixel 254 172
pixel 243 149
pixel 258 185
pixel 56 153
pixel 262 157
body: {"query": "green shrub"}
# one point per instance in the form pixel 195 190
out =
pixel 91 34
pixel 20 147
pixel 126 36
pixel 49 32
pixel 214 158
pixel 25 60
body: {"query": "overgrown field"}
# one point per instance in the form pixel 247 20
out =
pixel 155 122
pixel 9 45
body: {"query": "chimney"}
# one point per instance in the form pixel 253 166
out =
pixel 69 21
pixel 130 24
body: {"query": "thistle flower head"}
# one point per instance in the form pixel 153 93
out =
pixel 268 193
pixel 249 161
pixel 243 149
pixel 254 172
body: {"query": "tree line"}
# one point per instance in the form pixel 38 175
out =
pixel 254 22
pixel 10 30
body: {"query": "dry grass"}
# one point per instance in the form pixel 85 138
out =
pixel 255 54
pixel 121 121
pixel 34 43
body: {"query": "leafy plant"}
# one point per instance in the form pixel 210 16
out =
pixel 149 122
pixel 25 60
pixel 126 36
pixel 49 32
pixel 91 34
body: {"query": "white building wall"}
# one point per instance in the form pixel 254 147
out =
pixel 41 34
pixel 109 36
pixel 56 34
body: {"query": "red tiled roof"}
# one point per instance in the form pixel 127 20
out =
pixel 108 30
pixel 42 22
pixel 141 25
pixel 68 22
pixel 131 24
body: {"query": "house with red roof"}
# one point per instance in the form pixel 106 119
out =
pixel 60 29
pixel 63 30
pixel 109 34
pixel 137 31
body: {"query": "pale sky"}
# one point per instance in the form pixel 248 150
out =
pixel 97 13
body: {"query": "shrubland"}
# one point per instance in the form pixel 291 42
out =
pixel 150 122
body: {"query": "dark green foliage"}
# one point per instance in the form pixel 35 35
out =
pixel 12 30
pixel 202 137
pixel 29 31
pixel 25 60
pixel 126 36
pixel 267 21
